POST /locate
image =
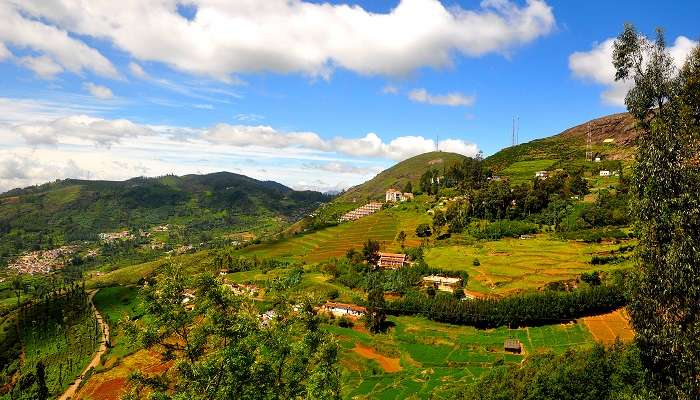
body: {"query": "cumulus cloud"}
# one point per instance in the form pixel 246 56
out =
pixel 101 92
pixel 56 46
pixel 224 38
pixel 42 66
pixel 97 131
pixel 453 99
pixel 17 170
pixel 596 66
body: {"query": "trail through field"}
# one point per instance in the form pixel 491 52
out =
pixel 70 392
pixel 388 364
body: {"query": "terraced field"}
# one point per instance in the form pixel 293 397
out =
pixel 512 264
pixel 335 241
pixel 523 171
pixel 432 357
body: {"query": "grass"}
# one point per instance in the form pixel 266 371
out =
pixel 509 265
pixel 435 356
pixel 524 171
pixel 115 303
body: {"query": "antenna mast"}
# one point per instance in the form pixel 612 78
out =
pixel 589 147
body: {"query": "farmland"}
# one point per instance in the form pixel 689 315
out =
pixel 524 171
pixel 514 264
pixel 432 356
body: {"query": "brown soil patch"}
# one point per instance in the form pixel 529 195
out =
pixel 608 327
pixel 110 390
pixel 388 364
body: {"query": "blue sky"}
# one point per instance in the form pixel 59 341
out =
pixel 311 94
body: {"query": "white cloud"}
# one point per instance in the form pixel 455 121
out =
pixel 390 89
pixel 453 99
pixel 4 52
pixel 101 92
pixel 596 66
pixel 203 106
pixel 342 168
pixel 21 170
pixel 137 70
pixel 82 128
pixel 52 42
pixel 43 66
pixel 285 36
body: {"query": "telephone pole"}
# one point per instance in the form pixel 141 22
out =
pixel 589 145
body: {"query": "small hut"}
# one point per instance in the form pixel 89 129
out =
pixel 512 346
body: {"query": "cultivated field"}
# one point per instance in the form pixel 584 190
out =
pixel 607 328
pixel 508 264
pixel 418 357
pixel 335 241
pixel 524 171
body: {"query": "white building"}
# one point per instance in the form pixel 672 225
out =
pixel 444 283
pixel 344 310
pixel 604 172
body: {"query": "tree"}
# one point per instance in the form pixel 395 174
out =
pixel 423 230
pixel 231 353
pixel 438 221
pixel 42 391
pixel 18 286
pixel 408 188
pixel 665 296
pixel 376 314
pixel 401 238
pixel 370 252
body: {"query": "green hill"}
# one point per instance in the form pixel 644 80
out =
pixel 73 210
pixel 398 175
pixel 612 138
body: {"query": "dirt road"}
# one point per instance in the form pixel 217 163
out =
pixel 73 388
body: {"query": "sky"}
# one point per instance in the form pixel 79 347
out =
pixel 316 95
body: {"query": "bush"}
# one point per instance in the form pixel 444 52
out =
pixel 476 262
pixel 423 230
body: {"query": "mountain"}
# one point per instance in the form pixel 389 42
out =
pixel 398 175
pixel 74 210
pixel 613 137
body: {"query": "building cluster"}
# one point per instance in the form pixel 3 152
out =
pixel 542 174
pixel 395 196
pixel 42 262
pixel 241 289
pixel 344 310
pixel 112 236
pixel 392 260
pixel 363 211
pixel 443 283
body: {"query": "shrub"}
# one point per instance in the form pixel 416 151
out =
pixel 423 230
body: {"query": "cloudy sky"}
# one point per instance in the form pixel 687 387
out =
pixel 312 94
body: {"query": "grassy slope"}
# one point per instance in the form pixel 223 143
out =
pixel 569 147
pixel 398 175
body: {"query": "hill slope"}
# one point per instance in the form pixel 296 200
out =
pixel 398 175
pixel 77 210
pixel 570 145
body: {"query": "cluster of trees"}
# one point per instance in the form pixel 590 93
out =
pixel 531 308
pixel 224 259
pixel 223 350
pixel 51 313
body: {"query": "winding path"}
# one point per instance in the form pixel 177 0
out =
pixel 73 388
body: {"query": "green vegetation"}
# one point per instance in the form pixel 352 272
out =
pixel 399 175
pixel 117 303
pixel 523 171
pixel 204 206
pixel 428 360
pixel 666 203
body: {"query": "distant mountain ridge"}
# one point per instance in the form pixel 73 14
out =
pixel 76 210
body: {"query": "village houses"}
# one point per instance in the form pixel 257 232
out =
pixel 443 283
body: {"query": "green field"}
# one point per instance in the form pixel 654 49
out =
pixel 115 303
pixel 524 171
pixel 434 356
pixel 511 264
